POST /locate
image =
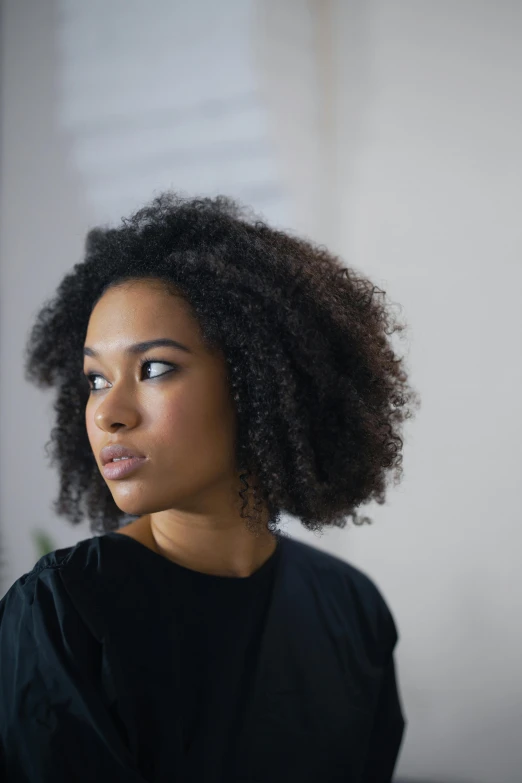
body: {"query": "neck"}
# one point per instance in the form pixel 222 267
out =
pixel 235 551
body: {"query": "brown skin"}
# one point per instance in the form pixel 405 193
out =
pixel 183 422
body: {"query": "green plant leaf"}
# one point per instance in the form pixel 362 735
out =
pixel 43 543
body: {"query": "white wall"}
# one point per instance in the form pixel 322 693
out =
pixel 425 165
pixel 432 197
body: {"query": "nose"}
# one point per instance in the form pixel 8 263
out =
pixel 109 424
pixel 114 412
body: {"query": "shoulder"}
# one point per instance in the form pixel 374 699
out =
pixel 45 589
pixel 330 564
pixel 46 640
pixel 66 559
pixel 349 590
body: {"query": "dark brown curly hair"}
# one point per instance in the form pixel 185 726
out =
pixel 320 394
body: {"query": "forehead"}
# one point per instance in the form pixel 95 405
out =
pixel 141 309
pixel 135 313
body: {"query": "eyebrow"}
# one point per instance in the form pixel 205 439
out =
pixel 162 342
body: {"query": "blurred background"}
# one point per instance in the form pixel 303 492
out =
pixel 388 130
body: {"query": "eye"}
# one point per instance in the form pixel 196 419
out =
pixel 151 362
pixel 93 378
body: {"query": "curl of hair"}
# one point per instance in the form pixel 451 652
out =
pixel 319 392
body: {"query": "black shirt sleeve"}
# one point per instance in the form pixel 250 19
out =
pixel 387 732
pixel 54 724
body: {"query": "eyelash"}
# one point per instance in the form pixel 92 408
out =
pixel 89 376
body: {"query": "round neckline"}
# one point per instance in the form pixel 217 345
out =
pixel 190 572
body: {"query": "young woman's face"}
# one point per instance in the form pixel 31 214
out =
pixel 175 409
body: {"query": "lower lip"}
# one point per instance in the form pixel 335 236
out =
pixel 122 468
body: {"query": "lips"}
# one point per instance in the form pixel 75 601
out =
pixel 109 453
pixel 122 467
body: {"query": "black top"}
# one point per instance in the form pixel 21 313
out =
pixel 118 664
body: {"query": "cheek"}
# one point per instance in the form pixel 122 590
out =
pixel 191 422
pixel 176 421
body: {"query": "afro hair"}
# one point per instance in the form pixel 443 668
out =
pixel 319 392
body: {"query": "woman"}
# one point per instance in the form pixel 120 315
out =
pixel 210 373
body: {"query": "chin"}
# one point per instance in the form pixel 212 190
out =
pixel 133 505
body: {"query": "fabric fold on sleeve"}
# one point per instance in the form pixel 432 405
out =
pixel 54 723
pixel 389 724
